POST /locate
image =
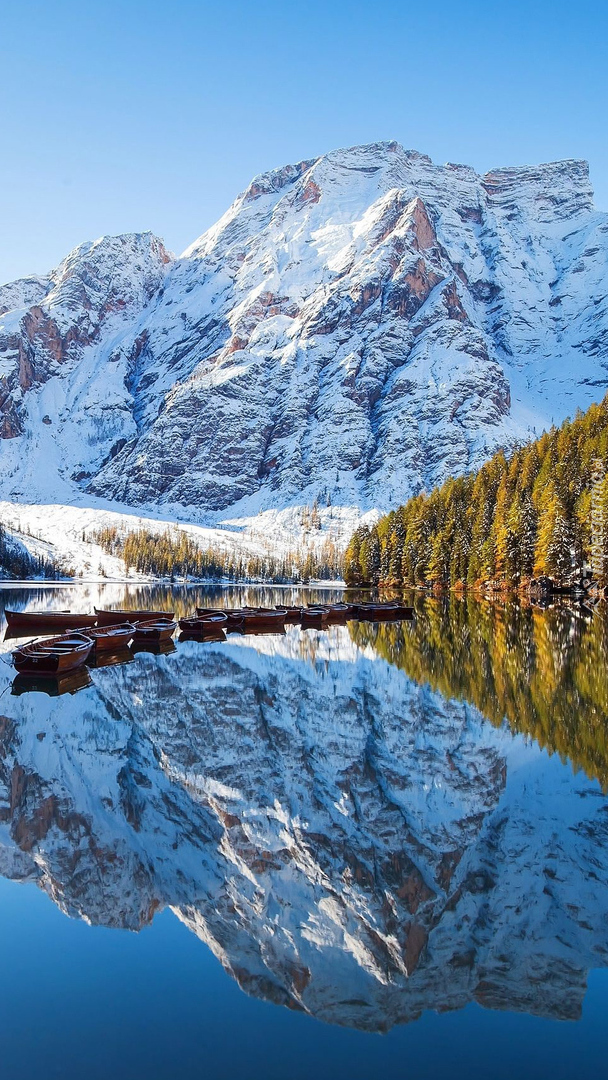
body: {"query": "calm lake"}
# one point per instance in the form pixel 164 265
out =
pixel 372 851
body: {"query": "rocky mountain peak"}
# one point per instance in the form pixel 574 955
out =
pixel 23 293
pixel 557 190
pixel 356 327
pixel 275 180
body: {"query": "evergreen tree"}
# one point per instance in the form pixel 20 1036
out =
pixel 529 514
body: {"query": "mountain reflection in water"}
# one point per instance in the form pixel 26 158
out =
pixel 330 812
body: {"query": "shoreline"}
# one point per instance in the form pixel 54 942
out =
pixel 24 583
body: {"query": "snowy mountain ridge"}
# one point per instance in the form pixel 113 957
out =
pixel 355 328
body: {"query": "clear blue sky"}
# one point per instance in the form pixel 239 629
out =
pixel 153 115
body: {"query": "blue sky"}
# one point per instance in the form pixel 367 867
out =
pixel 143 115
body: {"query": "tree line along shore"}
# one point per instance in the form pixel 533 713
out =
pixel 533 518
pixel 17 563
pixel 536 519
pixel 173 554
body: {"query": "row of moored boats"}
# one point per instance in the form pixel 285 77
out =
pixel 110 631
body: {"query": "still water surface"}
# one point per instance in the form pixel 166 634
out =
pixel 370 851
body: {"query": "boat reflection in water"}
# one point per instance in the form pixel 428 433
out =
pixel 53 686
pixel 111 659
pixel 343 816
pixel 11 634
pixel 208 636
pixel 156 648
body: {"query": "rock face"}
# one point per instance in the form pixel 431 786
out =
pixel 346 841
pixel 355 327
pixel 56 345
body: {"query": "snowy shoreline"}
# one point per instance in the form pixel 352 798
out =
pixel 6 583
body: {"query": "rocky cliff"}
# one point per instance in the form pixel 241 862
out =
pixel 354 328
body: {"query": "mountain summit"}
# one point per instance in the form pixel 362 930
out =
pixel 355 327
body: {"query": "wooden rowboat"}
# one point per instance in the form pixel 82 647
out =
pixel 107 617
pixel 234 617
pixel 248 618
pixel 213 618
pixel 383 612
pixel 53 657
pixel 111 638
pixel 337 613
pixel 154 630
pixel 48 620
pixel 204 627
pixel 340 613
pixel 315 618
pixel 265 619
pixel 293 615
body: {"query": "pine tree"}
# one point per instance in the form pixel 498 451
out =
pixel 560 549
pixel 529 514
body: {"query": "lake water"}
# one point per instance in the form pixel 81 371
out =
pixel 377 850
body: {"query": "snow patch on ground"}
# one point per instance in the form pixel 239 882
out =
pixel 63 534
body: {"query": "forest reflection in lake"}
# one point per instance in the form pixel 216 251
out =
pixel 363 824
pixel 544 670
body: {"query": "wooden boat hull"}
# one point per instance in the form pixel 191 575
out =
pixel 383 612
pixel 54 657
pixel 250 618
pixel 161 630
pixel 48 621
pixel 107 617
pixel 293 615
pixel 348 610
pixel 216 621
pixel 235 622
pixel 338 614
pixel 315 618
pixel 233 617
pixel 111 638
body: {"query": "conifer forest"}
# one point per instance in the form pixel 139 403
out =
pixel 536 512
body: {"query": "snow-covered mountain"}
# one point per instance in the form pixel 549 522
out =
pixel 345 840
pixel 354 328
